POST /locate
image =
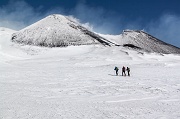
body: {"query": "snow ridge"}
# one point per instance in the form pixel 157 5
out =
pixel 138 39
pixel 148 42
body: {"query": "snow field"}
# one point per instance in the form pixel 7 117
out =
pixel 53 85
pixel 80 82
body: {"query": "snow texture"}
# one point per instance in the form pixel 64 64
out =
pixel 79 82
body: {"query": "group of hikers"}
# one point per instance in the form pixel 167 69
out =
pixel 123 71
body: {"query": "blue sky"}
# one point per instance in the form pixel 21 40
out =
pixel 160 18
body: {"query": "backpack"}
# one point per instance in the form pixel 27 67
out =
pixel 116 68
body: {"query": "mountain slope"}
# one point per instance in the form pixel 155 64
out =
pixel 57 31
pixel 144 41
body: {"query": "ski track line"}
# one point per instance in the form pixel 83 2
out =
pixel 129 100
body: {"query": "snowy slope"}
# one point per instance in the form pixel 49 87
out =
pixel 79 82
pixel 57 31
pixel 142 40
pixel 5 36
pixel 6 46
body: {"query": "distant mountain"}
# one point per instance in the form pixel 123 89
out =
pixel 61 31
pixel 141 40
pixel 57 31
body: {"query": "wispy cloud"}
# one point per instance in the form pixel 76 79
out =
pixel 102 21
pixel 166 28
pixel 17 15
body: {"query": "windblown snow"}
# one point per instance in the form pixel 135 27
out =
pixel 79 82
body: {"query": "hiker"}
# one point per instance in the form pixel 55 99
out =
pixel 128 70
pixel 123 71
pixel 116 69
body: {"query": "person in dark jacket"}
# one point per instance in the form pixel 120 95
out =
pixel 128 70
pixel 116 69
pixel 123 71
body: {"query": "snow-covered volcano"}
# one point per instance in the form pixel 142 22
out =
pixel 57 31
pixel 141 40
